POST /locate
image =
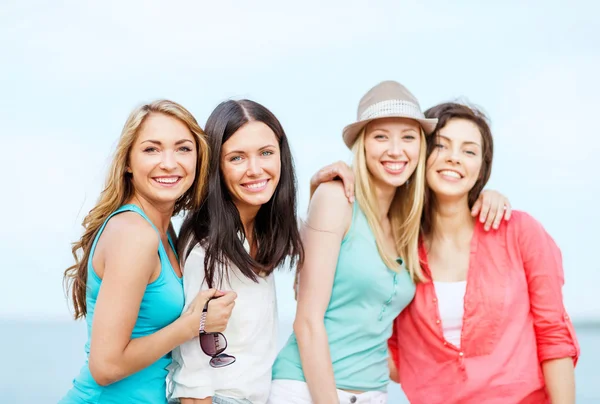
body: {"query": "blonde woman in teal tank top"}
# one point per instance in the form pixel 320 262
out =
pixel 126 280
pixel 361 259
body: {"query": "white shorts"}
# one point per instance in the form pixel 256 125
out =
pixel 296 392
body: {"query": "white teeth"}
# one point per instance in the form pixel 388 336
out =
pixel 257 185
pixel 394 166
pixel 172 180
pixel 449 173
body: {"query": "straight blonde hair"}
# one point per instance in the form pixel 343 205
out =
pixel 119 189
pixel 405 212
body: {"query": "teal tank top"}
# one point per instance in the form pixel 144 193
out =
pixel 161 304
pixel 365 299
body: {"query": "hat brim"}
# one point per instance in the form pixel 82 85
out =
pixel 352 131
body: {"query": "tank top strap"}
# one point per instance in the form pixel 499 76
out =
pixel 131 208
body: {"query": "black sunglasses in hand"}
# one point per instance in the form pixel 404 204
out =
pixel 213 344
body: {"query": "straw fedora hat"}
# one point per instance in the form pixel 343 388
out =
pixel 388 99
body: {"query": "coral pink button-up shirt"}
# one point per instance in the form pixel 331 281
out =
pixel 514 319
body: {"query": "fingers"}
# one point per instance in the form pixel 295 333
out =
pixel 228 297
pixel 476 207
pixel 485 210
pixel 339 170
pixel 507 210
pixel 205 295
pixel 498 215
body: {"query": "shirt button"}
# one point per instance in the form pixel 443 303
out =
pixel 445 343
pixel 437 321
pixel 353 399
pixel 460 354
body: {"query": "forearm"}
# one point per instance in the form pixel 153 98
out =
pixel 316 363
pixel 206 400
pixel 393 370
pixel 559 375
pixel 142 352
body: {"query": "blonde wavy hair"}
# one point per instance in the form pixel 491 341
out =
pixel 119 189
pixel 405 212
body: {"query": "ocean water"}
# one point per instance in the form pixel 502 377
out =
pixel 40 359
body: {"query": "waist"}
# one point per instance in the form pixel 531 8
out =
pixel 356 367
pixel 147 385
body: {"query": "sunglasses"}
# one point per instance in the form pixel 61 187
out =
pixel 213 344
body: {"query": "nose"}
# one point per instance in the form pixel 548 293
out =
pixel 396 148
pixel 453 156
pixel 254 167
pixel 168 161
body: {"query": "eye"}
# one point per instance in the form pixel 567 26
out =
pixel 439 146
pixel 235 158
pixel 380 136
pixel 266 153
pixel 150 149
pixel 185 149
pixel 471 153
pixel 409 137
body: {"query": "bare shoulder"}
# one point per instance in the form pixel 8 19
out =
pixel 329 208
pixel 130 230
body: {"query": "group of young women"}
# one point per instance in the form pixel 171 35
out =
pixel 399 274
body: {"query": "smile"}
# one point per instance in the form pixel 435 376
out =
pixel 167 181
pixel 451 174
pixel 255 186
pixel 394 167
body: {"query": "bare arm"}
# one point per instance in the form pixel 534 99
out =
pixel 559 375
pixel 133 246
pixel 328 219
pixel 207 400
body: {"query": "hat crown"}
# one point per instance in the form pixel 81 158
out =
pixel 385 91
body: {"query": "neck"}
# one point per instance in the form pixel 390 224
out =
pixel 248 215
pixel 159 214
pixel 452 219
pixel 385 197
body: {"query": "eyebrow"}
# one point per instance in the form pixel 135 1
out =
pixel 387 131
pixel 450 140
pixel 158 142
pixel 243 152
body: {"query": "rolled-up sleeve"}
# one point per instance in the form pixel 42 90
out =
pixel 191 374
pixel 543 267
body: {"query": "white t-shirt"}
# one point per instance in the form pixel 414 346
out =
pixel 451 306
pixel 251 337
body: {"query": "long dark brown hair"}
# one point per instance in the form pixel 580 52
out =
pixel 445 113
pixel 119 189
pixel 217 224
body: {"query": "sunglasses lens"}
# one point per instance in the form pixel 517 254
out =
pixel 213 344
pixel 221 360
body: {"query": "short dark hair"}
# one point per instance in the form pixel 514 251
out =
pixel 217 224
pixel 445 113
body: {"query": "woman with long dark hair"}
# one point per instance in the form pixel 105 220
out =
pixel 245 229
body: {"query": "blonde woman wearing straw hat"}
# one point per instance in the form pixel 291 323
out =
pixel 354 282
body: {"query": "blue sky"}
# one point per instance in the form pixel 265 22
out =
pixel 72 71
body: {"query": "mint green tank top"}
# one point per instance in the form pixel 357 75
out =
pixel 365 299
pixel 161 304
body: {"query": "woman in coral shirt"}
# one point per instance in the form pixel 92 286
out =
pixel 489 325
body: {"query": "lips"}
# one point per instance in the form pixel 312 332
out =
pixel 394 167
pixel 167 181
pixel 451 174
pixel 255 186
